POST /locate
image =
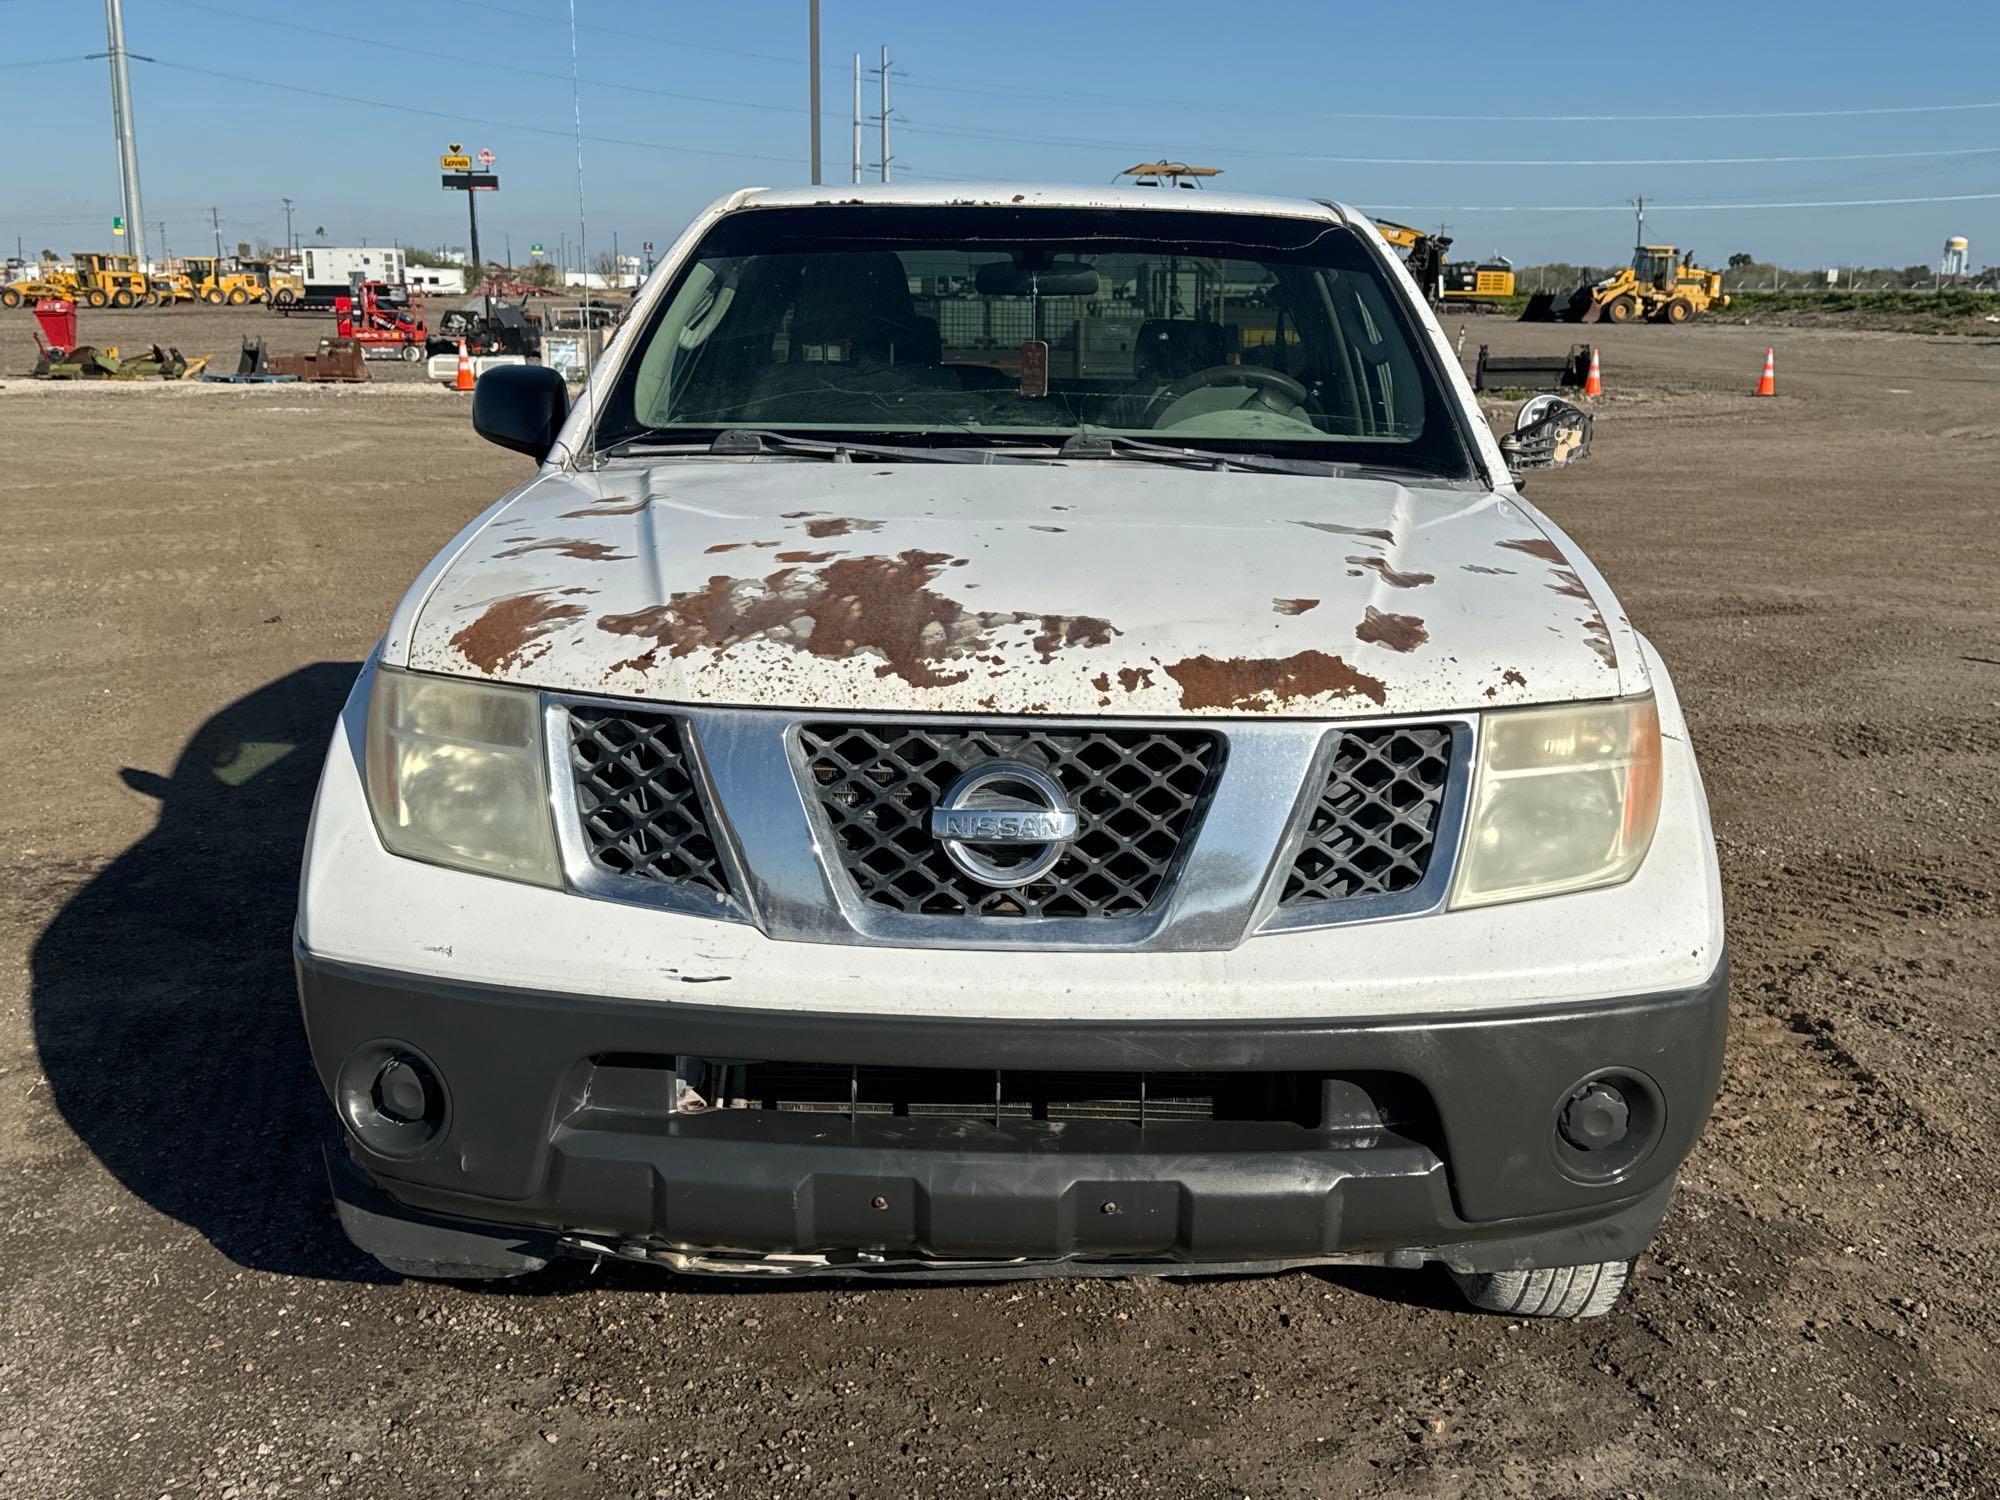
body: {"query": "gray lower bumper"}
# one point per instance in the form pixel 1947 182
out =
pixel 531 1155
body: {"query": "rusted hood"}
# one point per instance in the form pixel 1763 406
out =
pixel 1087 588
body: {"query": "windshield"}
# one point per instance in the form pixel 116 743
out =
pixel 1012 326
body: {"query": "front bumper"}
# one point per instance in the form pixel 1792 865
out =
pixel 557 1129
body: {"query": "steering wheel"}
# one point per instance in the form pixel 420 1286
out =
pixel 1275 390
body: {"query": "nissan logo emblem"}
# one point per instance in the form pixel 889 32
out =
pixel 1004 805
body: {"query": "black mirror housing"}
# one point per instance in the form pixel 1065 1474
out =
pixel 521 407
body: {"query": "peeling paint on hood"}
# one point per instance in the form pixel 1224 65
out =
pixel 942 588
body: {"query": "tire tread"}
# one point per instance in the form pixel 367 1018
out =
pixel 1548 1292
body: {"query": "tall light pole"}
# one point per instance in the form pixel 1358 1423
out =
pixel 288 224
pixel 812 90
pixel 857 117
pixel 122 127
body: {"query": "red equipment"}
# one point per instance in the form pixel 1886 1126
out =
pixel 57 315
pixel 383 331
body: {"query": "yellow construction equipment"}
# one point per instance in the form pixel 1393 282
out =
pixel 1478 282
pixel 169 287
pixel 1445 282
pixel 219 281
pixel 278 286
pixel 1662 285
pixel 110 281
pixel 51 282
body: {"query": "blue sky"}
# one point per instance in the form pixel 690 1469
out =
pixel 1065 90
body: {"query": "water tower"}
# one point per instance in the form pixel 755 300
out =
pixel 1957 259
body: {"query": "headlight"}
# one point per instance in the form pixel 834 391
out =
pixel 456 775
pixel 1562 799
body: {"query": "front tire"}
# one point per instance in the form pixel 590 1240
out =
pixel 123 297
pixel 237 296
pixel 1622 309
pixel 1551 1292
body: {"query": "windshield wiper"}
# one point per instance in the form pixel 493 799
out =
pixel 1112 445
pixel 736 442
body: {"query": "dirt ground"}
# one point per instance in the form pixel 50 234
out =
pixel 188 579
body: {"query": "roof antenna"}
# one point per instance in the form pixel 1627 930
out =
pixel 1179 173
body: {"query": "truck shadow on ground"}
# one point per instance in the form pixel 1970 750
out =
pixel 163 1002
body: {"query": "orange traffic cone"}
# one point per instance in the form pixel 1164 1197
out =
pixel 1593 383
pixel 1767 383
pixel 464 381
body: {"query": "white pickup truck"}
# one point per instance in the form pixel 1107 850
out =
pixel 1016 731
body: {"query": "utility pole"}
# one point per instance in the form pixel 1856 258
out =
pixel 812 89
pixel 165 253
pixel 124 130
pixel 215 222
pixel 885 112
pixel 508 240
pixel 1639 206
pixel 288 224
pixel 617 270
pixel 857 117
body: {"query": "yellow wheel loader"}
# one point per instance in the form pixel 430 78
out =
pixel 1660 286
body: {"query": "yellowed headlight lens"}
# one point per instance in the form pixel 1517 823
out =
pixel 456 775
pixel 1563 799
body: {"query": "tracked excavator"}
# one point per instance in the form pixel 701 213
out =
pixel 1445 283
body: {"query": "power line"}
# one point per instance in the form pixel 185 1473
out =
pixel 1261 153
pixel 462 119
pixel 1097 144
pixel 1685 208
pixel 1183 104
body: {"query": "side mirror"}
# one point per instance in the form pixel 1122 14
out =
pixel 1549 433
pixel 521 407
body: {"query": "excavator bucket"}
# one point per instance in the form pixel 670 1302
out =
pixel 254 360
pixel 1541 308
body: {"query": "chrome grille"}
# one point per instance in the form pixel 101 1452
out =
pixel 1373 828
pixel 636 798
pixel 1139 794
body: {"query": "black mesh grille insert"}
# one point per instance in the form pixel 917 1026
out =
pixel 641 812
pixel 1139 795
pixel 1374 826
